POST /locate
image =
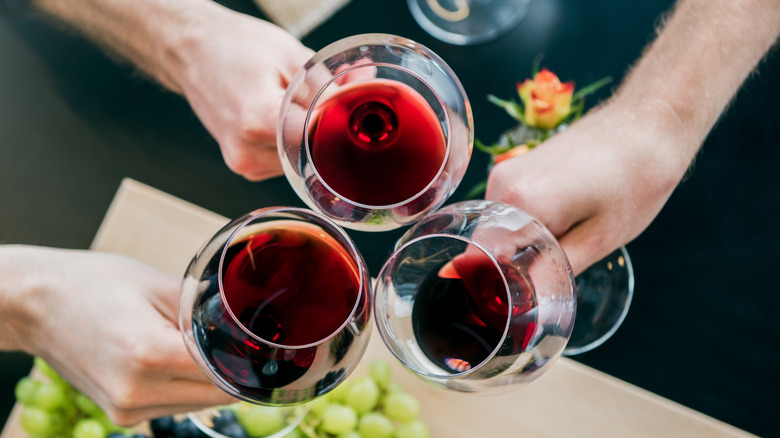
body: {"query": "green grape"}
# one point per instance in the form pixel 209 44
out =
pixel 25 390
pixel 295 433
pixel 36 421
pixel 50 397
pixel 338 419
pixel 260 420
pixel 339 393
pixel 381 373
pixel 350 434
pixel 394 387
pixel 363 395
pixel 413 429
pixel 375 425
pixel 317 407
pixel 88 428
pixel 401 406
pixel 87 405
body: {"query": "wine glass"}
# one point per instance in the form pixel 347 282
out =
pixel 465 22
pixel 275 306
pixel 476 297
pixel 374 132
pixel 604 294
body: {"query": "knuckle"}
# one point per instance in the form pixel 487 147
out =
pixel 123 418
pixel 123 397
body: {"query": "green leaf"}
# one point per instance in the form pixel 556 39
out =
pixel 590 89
pixel 536 65
pixel 514 109
pixel 494 149
pixel 476 192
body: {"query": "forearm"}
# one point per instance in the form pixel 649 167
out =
pixel 154 35
pixel 690 73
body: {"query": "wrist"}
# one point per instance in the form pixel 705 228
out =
pixel 182 38
pixel 666 132
pixel 21 297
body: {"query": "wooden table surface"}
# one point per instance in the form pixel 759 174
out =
pixel 570 400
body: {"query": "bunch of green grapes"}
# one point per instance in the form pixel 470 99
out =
pixel 370 406
pixel 52 408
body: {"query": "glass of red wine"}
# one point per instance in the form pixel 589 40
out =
pixel 275 306
pixel 477 297
pixel 374 132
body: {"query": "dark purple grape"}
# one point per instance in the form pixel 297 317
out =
pixel 162 427
pixel 233 430
pixel 223 418
pixel 187 429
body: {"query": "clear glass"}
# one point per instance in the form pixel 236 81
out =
pixel 379 190
pixel 465 22
pixel 510 322
pixel 604 294
pixel 232 353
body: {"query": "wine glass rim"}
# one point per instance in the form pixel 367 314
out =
pixel 384 330
pixel 444 161
pixel 301 215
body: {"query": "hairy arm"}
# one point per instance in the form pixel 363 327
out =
pixel 704 52
pixel 156 36
pixel 600 183
pixel 233 69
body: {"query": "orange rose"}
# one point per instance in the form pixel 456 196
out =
pixel 547 101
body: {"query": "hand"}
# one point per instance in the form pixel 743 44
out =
pixel 235 83
pixel 598 184
pixel 108 325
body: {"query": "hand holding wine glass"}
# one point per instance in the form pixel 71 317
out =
pixel 587 187
pixel 108 325
pixel 235 85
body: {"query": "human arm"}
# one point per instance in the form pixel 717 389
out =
pixel 107 324
pixel 232 68
pixel 601 182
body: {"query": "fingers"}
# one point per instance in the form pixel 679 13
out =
pixel 584 246
pixel 254 162
pixel 179 399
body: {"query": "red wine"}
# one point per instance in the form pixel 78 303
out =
pixel 377 143
pixel 291 284
pixel 462 310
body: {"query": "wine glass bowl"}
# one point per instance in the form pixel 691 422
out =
pixel 604 294
pixel 477 297
pixel 275 306
pixel 466 22
pixel 374 132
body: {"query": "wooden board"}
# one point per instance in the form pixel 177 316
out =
pixel 570 400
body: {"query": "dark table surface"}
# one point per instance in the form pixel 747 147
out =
pixel 701 329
